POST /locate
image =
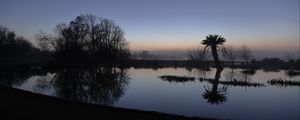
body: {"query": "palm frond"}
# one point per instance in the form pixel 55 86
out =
pixel 213 40
pixel 205 49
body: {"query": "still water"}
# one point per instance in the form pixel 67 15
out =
pixel 143 89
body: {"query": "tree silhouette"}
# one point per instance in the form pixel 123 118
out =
pixel 214 42
pixel 231 54
pixel 245 54
pixel 87 39
pixel 13 49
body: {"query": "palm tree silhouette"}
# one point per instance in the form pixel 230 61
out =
pixel 214 42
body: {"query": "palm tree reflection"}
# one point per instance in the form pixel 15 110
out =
pixel 215 95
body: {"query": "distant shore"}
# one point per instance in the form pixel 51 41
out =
pixel 19 104
pixel 156 64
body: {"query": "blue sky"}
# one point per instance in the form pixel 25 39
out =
pixel 168 24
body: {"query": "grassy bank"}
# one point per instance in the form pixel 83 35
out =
pixel 18 104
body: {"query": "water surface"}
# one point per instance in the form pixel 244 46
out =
pixel 143 89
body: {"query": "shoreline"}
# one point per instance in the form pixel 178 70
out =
pixel 19 104
pixel 156 64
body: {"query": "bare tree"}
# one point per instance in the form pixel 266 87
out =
pixel 46 41
pixel 290 58
pixel 245 54
pixel 230 54
pixel 197 54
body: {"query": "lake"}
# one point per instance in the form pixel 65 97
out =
pixel 233 95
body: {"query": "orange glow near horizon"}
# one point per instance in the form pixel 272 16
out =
pixel 162 46
pixel 258 44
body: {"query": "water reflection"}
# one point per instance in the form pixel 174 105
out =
pixel 95 85
pixel 242 79
pixel 43 84
pixel 229 76
pixel 215 95
pixel 219 90
pixel 18 78
pixel 243 75
pixel 201 72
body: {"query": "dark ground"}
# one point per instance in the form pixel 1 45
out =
pixel 18 104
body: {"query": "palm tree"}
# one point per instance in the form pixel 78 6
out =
pixel 214 42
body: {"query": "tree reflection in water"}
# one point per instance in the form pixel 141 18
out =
pixel 215 95
pixel 43 84
pixel 94 85
pixel 17 78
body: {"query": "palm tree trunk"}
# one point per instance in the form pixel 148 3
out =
pixel 216 82
pixel 216 58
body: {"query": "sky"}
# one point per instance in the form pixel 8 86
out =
pixel 166 25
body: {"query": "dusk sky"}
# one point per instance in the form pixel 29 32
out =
pixel 168 24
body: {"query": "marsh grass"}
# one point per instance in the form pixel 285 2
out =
pixel 249 72
pixel 283 83
pixel 292 73
pixel 171 78
pixel 242 83
pixel 233 83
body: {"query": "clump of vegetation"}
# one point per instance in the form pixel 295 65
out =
pixel 233 83
pixel 241 83
pixel 292 73
pixel 248 71
pixel 176 79
pixel 283 83
pixel 205 79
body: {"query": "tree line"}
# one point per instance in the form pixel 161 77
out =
pixel 12 47
pixel 86 40
pixel 15 50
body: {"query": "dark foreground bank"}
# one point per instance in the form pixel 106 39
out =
pixel 17 104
